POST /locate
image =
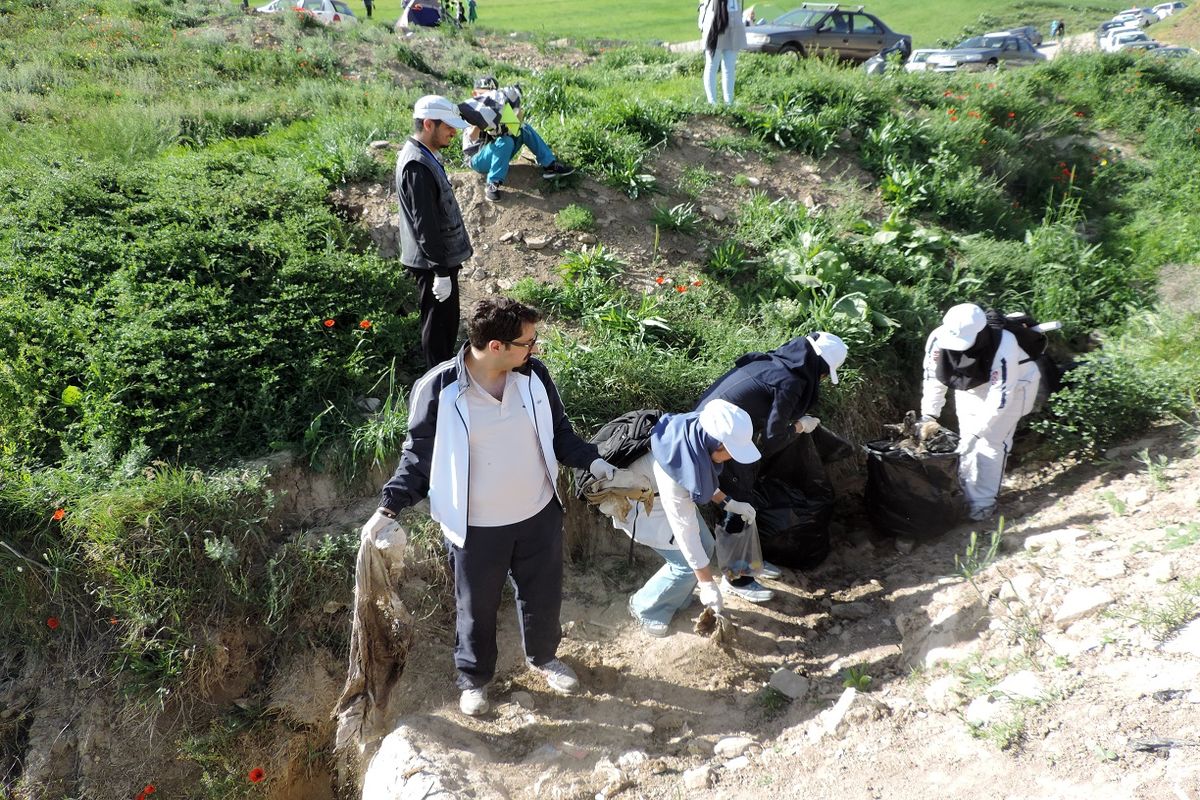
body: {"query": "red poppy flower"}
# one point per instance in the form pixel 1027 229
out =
pixel 954 119
pixel 1066 173
pixel 58 514
pixel 1012 115
pixel 1079 113
pixel 983 141
pixel 141 796
pixel 660 280
pixel 952 111
pixel 52 623
pixel 697 283
pixel 149 789
pixel 366 323
pixel 681 289
pixel 112 620
pixel 256 775
pixel 947 94
pixel 329 323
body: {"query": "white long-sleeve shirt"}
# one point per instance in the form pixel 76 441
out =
pixel 674 522
pixel 979 406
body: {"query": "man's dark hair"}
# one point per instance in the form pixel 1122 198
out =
pixel 418 125
pixel 499 319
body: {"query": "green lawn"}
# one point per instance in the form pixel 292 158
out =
pixel 675 20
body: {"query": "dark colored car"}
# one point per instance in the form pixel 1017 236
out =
pixel 815 29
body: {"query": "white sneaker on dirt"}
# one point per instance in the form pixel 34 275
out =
pixel 658 630
pixel 561 678
pixel 981 514
pixel 769 571
pixel 474 702
pixel 753 592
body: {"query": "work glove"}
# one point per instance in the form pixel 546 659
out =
pixel 442 288
pixel 602 470
pixel 385 532
pixel 807 424
pixel 742 509
pixel 927 418
pixel 710 596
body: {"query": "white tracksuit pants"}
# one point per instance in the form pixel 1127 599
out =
pixel 987 438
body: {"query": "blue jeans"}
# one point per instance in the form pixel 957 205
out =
pixel 669 589
pixel 494 157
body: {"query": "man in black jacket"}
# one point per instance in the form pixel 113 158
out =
pixel 433 239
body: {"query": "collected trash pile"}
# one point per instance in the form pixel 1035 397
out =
pixel 912 480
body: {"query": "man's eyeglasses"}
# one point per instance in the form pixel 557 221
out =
pixel 527 345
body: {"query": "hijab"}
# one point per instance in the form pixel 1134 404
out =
pixel 966 369
pixel 684 450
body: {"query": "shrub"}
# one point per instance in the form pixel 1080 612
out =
pixel 575 218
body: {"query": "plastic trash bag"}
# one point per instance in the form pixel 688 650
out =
pixel 794 503
pixel 739 553
pixel 911 493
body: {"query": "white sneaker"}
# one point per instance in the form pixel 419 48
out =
pixel 770 572
pixel 474 702
pixel 981 514
pixel 649 627
pixel 561 678
pixel 753 591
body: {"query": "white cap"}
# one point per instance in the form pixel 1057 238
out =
pixel 960 327
pixel 434 106
pixel 731 426
pixel 831 348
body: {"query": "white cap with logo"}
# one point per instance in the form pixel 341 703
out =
pixel 731 426
pixel 434 106
pixel 831 348
pixel 960 327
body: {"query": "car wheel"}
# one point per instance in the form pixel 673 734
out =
pixel 792 49
pixel 993 64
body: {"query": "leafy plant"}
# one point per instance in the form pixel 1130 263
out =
pixel 856 678
pixel 682 217
pixel 975 560
pixel 1156 467
pixel 575 218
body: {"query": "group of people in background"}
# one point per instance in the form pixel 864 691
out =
pixel 488 429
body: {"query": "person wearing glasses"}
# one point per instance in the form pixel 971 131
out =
pixel 433 239
pixel 487 431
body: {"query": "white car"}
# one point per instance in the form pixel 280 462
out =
pixel 274 7
pixel 1164 10
pixel 330 12
pixel 919 60
pixel 1131 47
pixel 1135 17
pixel 1105 41
pixel 1118 42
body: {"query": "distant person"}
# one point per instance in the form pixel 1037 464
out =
pixel 471 15
pixel 1062 30
pixel 369 5
pixel 748 18
pixel 433 238
pixel 497 134
pixel 462 14
pixel 1055 27
pixel 723 34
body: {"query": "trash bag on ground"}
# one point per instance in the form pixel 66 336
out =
pixel 794 500
pixel 739 553
pixel 914 491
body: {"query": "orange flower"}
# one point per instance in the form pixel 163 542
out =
pixel 983 141
pixel 112 620
pixel 256 775
pixel 1066 173
pixel 149 789
pixel 681 289
pixel 1079 113
pixel 58 514
pixel 954 119
pixel 141 796
pixel 52 623
pixel 952 111
pixel 366 323
pixel 947 94
pixel 1012 115
pixel 697 283
pixel 660 280
pixel 329 323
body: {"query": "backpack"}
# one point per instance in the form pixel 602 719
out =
pixel 1029 333
pixel 622 441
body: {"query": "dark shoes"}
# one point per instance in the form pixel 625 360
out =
pixel 556 170
pixel 491 192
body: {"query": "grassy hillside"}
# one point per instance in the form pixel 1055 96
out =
pixel 674 21
pixel 1180 28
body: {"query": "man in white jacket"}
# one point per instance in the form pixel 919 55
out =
pixel 995 384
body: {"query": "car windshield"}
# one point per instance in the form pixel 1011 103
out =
pixel 989 42
pixel 800 18
pixel 342 8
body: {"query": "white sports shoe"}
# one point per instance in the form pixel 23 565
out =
pixel 753 591
pixel 474 702
pixel 561 678
pixel 769 571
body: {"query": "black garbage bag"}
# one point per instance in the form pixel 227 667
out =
pixel 831 447
pixel 794 500
pixel 912 494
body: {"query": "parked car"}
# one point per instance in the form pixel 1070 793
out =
pixel 1139 46
pixel 1105 27
pixel 1107 39
pixel 1174 51
pixel 1028 31
pixel 815 29
pixel 1164 10
pixel 1121 38
pixel 1134 18
pixel 986 52
pixel 274 7
pixel 330 12
pixel 919 60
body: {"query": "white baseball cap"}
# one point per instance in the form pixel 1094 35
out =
pixel 831 348
pixel 731 426
pixel 434 106
pixel 960 327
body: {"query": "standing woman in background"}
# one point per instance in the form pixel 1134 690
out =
pixel 723 33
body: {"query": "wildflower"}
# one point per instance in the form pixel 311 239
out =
pixel 52 623
pixel 954 119
pixel 149 789
pixel 1062 164
pixel 952 111
pixel 329 323
pixel 256 775
pixel 1066 173
pixel 681 289
pixel 141 796
pixel 697 283
pixel 58 514
pixel 112 620
pixel 1012 115
pixel 974 114
pixel 947 93
pixel 991 86
pixel 1104 162
pixel 366 323
pixel 660 280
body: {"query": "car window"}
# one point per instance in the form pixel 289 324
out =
pixel 864 24
pixel 312 5
pixel 800 18
pixel 1024 46
pixel 835 23
pixel 342 8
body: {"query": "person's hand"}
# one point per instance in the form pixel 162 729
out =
pixel 380 528
pixel 742 509
pixel 442 288
pixel 601 469
pixel 710 596
pixel 807 424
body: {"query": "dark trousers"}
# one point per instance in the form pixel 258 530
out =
pixel 439 321
pixel 531 553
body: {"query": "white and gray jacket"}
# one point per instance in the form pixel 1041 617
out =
pixel 435 461
pixel 1006 391
pixel 734 37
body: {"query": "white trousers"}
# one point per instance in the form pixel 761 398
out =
pixel 726 59
pixel 987 439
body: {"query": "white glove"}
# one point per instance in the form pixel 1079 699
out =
pixel 601 469
pixel 742 509
pixel 384 531
pixel 710 596
pixel 441 288
pixel 807 424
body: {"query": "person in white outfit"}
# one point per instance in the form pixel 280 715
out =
pixel 723 33
pixel 995 383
